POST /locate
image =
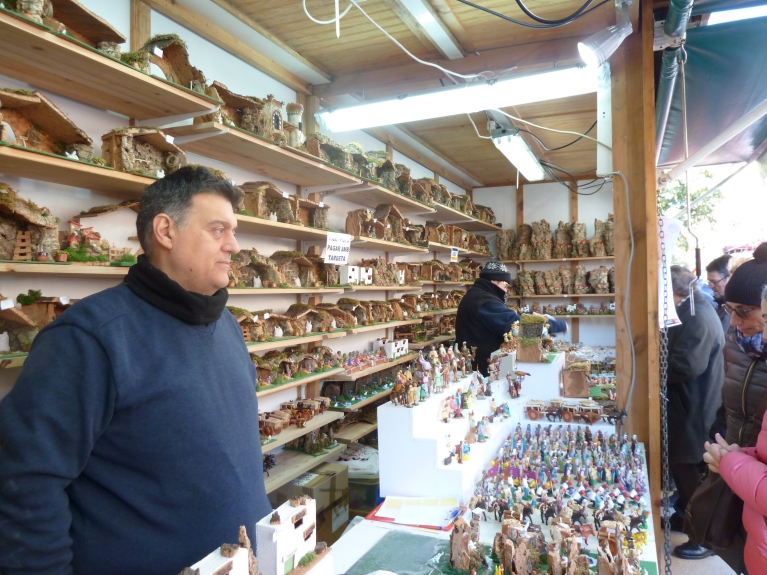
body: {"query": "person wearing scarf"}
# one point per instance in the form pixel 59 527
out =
pixel 130 442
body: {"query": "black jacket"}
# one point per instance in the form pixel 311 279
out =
pixel 724 317
pixel 695 376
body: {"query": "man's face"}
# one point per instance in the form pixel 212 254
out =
pixel 202 248
pixel 716 282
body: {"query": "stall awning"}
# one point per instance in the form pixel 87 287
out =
pixel 708 6
pixel 726 75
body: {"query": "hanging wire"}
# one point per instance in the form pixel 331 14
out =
pixel 571 18
pixel 545 147
pixel 551 129
pixel 527 24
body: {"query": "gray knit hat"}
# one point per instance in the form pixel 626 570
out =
pixel 495 270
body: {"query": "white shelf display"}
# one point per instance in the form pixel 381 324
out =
pixel 413 444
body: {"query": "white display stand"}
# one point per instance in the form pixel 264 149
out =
pixel 412 442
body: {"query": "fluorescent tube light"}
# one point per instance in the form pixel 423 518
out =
pixel 519 153
pixel 461 99
pixel 598 48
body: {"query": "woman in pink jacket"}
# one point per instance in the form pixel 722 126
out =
pixel 745 471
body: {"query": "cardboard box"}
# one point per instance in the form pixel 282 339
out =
pixel 326 484
pixel 332 522
pixel 575 384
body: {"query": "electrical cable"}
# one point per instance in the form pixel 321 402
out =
pixel 476 130
pixel 571 18
pixel 527 24
pixel 545 147
pixel 551 129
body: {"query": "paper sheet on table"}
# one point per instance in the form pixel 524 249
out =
pixel 432 511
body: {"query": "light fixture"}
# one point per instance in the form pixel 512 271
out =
pixel 461 99
pixel 598 48
pixel 516 150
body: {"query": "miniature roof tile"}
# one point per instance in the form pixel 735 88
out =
pixel 79 19
pixel 233 100
pixel 15 315
pixel 43 113
pixel 21 209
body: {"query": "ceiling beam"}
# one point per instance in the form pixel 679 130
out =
pixel 248 21
pixel 438 152
pixel 226 41
pixel 414 26
pixel 446 16
pixel 417 156
pixel 416 77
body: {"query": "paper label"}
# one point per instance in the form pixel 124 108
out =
pixel 266 316
pixel 453 254
pixel 157 52
pixel 169 139
pixel 64 299
pixel 339 516
pixel 284 194
pixel 322 204
pixel 337 248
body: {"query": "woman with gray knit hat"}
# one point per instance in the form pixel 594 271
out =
pixel 744 393
pixel 483 317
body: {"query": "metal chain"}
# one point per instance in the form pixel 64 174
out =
pixel 666 479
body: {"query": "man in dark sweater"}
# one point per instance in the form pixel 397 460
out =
pixel 130 441
pixel 483 318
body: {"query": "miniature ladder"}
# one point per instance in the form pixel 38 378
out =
pixel 22 249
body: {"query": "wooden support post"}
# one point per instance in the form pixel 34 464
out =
pixel 436 178
pixel 575 333
pixel 310 122
pixel 634 156
pixel 520 206
pixel 140 24
pixel 390 152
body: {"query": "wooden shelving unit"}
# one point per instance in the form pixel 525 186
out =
pixel 426 283
pixel 376 368
pixel 291 464
pixel 364 402
pixel 354 431
pixel 19 162
pixel 364 243
pixel 371 195
pixel 9 360
pixel 436 341
pixel 450 216
pixel 249 224
pixel 34 55
pixel 437 312
pixel 384 288
pixel 444 249
pixel 61 270
pixel 558 261
pixel 299 382
pixel 294 432
pixel 286 291
pixel 284 342
pixel 587 316
pixel 474 254
pixel 564 295
pixel 365 328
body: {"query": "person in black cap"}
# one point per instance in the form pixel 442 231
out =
pixel 738 419
pixel 483 317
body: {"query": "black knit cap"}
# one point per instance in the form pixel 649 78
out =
pixel 495 270
pixel 749 280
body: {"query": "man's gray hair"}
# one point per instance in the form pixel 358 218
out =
pixel 681 278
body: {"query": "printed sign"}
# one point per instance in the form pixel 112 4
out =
pixel 453 254
pixel 337 248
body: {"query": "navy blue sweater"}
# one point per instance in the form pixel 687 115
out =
pixel 129 443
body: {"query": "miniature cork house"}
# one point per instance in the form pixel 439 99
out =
pixel 454 236
pixel 357 309
pixel 168 52
pixel 43 310
pixel 454 271
pixel 85 26
pixel 447 324
pixel 394 223
pixel 361 165
pixel 25 228
pixel 362 223
pixel 408 271
pixel 141 150
pixel 485 214
pixel 329 151
pixel 404 181
pixel 385 170
pixel 422 191
pixel 384 273
pixel 436 232
pixel 30 120
pixel 465 205
pixel 273 123
pixel 304 316
pixel 17 329
pixel 265 200
pixel 432 270
pixel 415 233
pixel 343 318
pixel 240 111
pixel 294 269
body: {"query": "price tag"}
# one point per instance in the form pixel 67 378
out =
pixel 6 304
pixel 157 52
pixel 255 318
pixel 453 254
pixel 64 299
pixel 169 139
pixel 337 248
pixel 266 316
pixel 284 194
pixel 322 204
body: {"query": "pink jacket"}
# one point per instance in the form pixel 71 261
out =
pixel 746 474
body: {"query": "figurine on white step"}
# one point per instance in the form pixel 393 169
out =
pixel 278 331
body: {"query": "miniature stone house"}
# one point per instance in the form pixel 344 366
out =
pixel 19 327
pixel 422 191
pixel 168 52
pixel 45 309
pixel 360 312
pixel 272 121
pixel 241 111
pixel 362 223
pixel 361 165
pixel 343 318
pixel 447 324
pixel 283 543
pixel 295 269
pixel 415 233
pixel 141 150
pixel 433 270
pixel 454 236
pixel 404 181
pixel 265 200
pixel 436 232
pixel 384 273
pixel 484 213
pixel 30 120
pixel 394 223
pixel 23 222
pixel 84 26
pixel 304 316
pixel 385 170
pixel 329 151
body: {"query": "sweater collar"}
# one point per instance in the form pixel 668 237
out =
pixel 488 286
pixel 157 289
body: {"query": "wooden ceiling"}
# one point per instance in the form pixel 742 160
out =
pixel 364 63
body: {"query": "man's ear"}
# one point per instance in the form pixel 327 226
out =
pixel 164 231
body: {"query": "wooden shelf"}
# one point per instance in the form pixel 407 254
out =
pixel 435 341
pixel 352 432
pixel 371 195
pixel 444 249
pixel 280 291
pixel 364 402
pixel 251 225
pixel 450 216
pixel 376 368
pixel 438 312
pixel 60 270
pixel 45 60
pixel 284 342
pixel 441 283
pixel 291 464
pixel 365 328
pixel 294 432
pixel 364 243
pixel 384 288
pixel 588 316
pixel 557 261
pixel 9 360
pixel 20 162
pixel 253 153
pixel 564 295
pixel 478 254
pixel 299 382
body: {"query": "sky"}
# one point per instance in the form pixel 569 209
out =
pixel 741 14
